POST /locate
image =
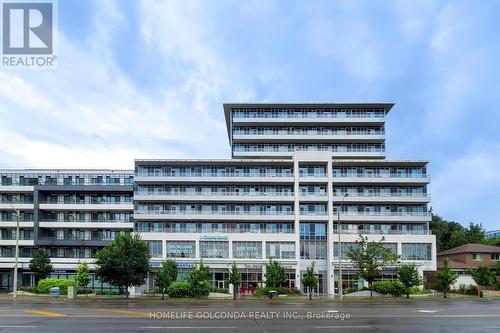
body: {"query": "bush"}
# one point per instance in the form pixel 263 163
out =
pixel 63 284
pixel 467 290
pixel 417 291
pixel 201 289
pixel 387 287
pixel 179 289
pixel 84 291
pixel 220 290
pixel 29 289
pixel 108 292
pixel 281 291
pixel 497 285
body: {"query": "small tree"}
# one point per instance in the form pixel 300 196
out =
pixel 275 274
pixel 446 277
pixel 310 280
pixel 82 277
pixel 124 262
pixel 165 276
pixel 484 276
pixel 409 277
pixel 234 279
pixel 198 279
pixel 370 258
pixel 40 264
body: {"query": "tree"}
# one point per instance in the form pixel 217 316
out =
pixel 124 262
pixel 484 276
pixel 409 277
pixel 234 278
pixel 450 234
pixel 498 268
pixel 82 277
pixel 370 258
pixel 310 280
pixel 275 274
pixel 40 264
pixel 198 279
pixel 446 277
pixel 165 276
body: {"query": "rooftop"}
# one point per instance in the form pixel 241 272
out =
pixel 471 248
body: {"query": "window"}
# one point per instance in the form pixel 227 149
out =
pixel 247 250
pixel 280 250
pixel 155 249
pixel 312 249
pixel 416 251
pixel 181 249
pixel 495 256
pixel 477 257
pixel 346 247
pixel 214 249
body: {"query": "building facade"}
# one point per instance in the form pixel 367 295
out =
pixel 296 171
pixel 70 213
pixel 280 196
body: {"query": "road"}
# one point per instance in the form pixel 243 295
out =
pixel 250 316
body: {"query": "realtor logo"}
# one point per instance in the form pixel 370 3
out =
pixel 28 29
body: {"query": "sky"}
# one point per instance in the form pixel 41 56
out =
pixel 147 79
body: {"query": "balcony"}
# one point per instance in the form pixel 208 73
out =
pixel 382 232
pixel 218 196
pixel 94 205
pixel 378 178
pixel 211 178
pixel 384 197
pixel 312 138
pixel 208 215
pixel 385 216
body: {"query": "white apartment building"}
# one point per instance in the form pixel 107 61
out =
pixel 280 196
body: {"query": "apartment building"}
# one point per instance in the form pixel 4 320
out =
pixel 70 213
pixel 296 169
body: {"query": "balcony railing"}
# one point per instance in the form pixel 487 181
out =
pixel 383 232
pixel 373 175
pixel 78 238
pixel 382 194
pixel 71 220
pixel 384 213
pixel 200 174
pixel 88 202
pixel 181 212
pixel 241 194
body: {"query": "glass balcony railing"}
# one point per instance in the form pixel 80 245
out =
pixel 214 194
pixel 383 232
pixel 376 175
pixel 87 220
pixel 384 213
pixel 184 212
pixel 382 194
pixel 88 202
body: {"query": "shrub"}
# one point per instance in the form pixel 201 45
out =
pixel 281 291
pixel 417 291
pixel 29 289
pixel 497 285
pixel 179 289
pixel 386 287
pixel 467 289
pixel 220 290
pixel 200 289
pixel 63 284
pixel 84 291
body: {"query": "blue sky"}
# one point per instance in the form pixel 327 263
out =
pixel 147 79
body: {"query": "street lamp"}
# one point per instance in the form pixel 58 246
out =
pixel 18 215
pixel 341 296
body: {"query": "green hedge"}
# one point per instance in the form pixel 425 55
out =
pixel 179 289
pixel 63 284
pixel 281 291
pixel 387 287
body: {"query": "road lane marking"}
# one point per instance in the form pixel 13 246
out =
pixel 334 326
pixel 134 313
pixel 190 327
pixel 45 313
pixel 17 326
pixel 427 311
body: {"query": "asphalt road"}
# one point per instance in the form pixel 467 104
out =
pixel 250 316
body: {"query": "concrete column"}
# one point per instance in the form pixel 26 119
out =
pixel 330 285
pixel 296 209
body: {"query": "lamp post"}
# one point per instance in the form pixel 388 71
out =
pixel 18 217
pixel 341 296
